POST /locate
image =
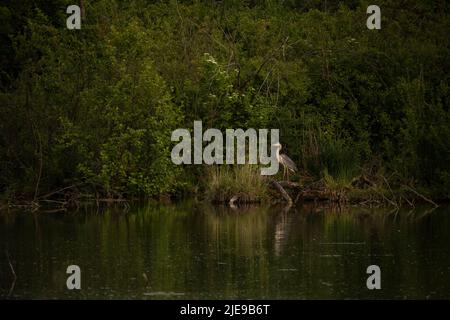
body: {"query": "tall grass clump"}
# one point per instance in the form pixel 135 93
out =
pixel 339 161
pixel 328 157
pixel 244 181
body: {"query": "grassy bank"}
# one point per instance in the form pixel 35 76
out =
pixel 245 184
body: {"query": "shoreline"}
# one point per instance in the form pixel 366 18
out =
pixel 303 195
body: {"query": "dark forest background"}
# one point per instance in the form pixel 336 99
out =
pixel 96 107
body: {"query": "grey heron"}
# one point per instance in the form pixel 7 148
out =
pixel 285 161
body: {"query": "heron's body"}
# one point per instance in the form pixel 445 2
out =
pixel 285 161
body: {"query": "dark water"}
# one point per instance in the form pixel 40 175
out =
pixel 195 251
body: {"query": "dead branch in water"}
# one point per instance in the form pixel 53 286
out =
pixel 390 190
pixel 421 196
pixel 281 190
pixel 288 184
pixel 59 190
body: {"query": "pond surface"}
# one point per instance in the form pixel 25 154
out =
pixel 194 251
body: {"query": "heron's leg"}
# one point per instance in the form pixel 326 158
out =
pixel 287 171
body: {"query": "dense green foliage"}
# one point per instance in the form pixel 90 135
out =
pixel 97 105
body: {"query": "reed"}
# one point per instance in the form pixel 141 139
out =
pixel 245 181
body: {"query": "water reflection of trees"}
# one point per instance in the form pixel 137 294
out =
pixel 213 251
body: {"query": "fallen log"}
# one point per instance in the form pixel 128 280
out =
pixel 281 190
pixel 288 184
pixel 422 196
